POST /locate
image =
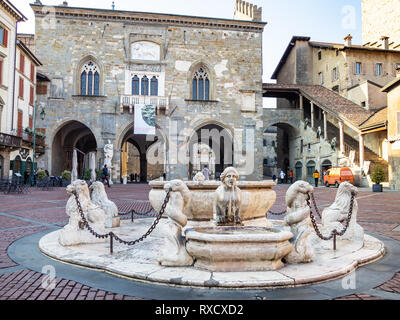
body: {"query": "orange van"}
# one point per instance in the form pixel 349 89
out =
pixel 335 176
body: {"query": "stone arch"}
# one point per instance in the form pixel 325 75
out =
pixel 221 146
pixel 211 75
pixel 126 135
pixel 77 73
pixel 69 135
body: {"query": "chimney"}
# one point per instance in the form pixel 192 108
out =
pixel 64 4
pixel 347 40
pixel 385 42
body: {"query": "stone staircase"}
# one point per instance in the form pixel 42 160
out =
pixel 352 144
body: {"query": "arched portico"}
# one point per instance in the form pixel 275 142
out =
pixel 69 136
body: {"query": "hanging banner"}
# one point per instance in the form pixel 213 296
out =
pixel 145 119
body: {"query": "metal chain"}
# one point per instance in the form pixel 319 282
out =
pixel 276 213
pixel 334 233
pixel 85 223
pixel 315 206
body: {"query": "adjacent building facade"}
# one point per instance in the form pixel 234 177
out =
pixel 9 139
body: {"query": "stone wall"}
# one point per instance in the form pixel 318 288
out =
pixel 381 18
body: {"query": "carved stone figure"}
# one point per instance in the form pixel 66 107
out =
pixel 298 218
pixel 108 155
pixel 335 216
pixel 100 198
pixel 72 234
pixel 333 144
pixel 306 123
pixel 174 253
pixel 319 132
pixel 199 177
pixel 228 199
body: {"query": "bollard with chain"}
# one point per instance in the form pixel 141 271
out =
pixel 85 224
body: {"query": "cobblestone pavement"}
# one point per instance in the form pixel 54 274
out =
pixel 22 215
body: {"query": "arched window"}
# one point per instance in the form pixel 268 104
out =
pixel 145 86
pixel 135 86
pixel 154 86
pixel 201 85
pixel 90 79
pixel 83 83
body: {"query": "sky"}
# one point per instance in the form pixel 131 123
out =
pixel 322 20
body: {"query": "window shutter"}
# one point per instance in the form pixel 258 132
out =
pixel 31 96
pixel 1 71
pixel 32 72
pixel 354 67
pixel 21 88
pixel 6 38
pixel 30 122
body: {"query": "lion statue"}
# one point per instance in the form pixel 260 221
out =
pixel 228 199
pixel 73 233
pixel 100 198
pixel 298 218
pixel 199 177
pixel 335 216
pixel 174 253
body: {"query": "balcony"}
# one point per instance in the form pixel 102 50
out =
pixel 27 139
pixel 10 142
pixel 128 102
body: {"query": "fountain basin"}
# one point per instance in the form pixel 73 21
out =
pixel 257 198
pixel 230 249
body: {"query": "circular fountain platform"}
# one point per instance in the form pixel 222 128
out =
pixel 140 262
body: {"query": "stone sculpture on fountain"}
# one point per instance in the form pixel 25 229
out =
pixel 335 216
pixel 228 199
pixel 298 218
pixel 174 253
pixel 74 233
pixel 100 198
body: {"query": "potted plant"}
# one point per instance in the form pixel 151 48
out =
pixel 87 175
pixel 377 176
pixel 66 178
pixel 41 174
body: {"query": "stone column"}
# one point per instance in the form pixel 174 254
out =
pixel 301 102
pixel 341 128
pixel 361 143
pixel 312 115
pixel 325 125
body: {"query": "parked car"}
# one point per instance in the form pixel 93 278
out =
pixel 335 176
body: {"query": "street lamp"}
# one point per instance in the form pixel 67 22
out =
pixel 42 116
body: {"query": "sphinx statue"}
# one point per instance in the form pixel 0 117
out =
pixel 298 218
pixel 174 253
pixel 335 216
pixel 73 233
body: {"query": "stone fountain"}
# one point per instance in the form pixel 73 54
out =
pixel 215 234
pixel 231 246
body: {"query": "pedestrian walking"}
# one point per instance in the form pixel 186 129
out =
pixel 316 178
pixel 274 178
pixel 206 172
pixel 105 176
pixel 291 176
pixel 282 176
